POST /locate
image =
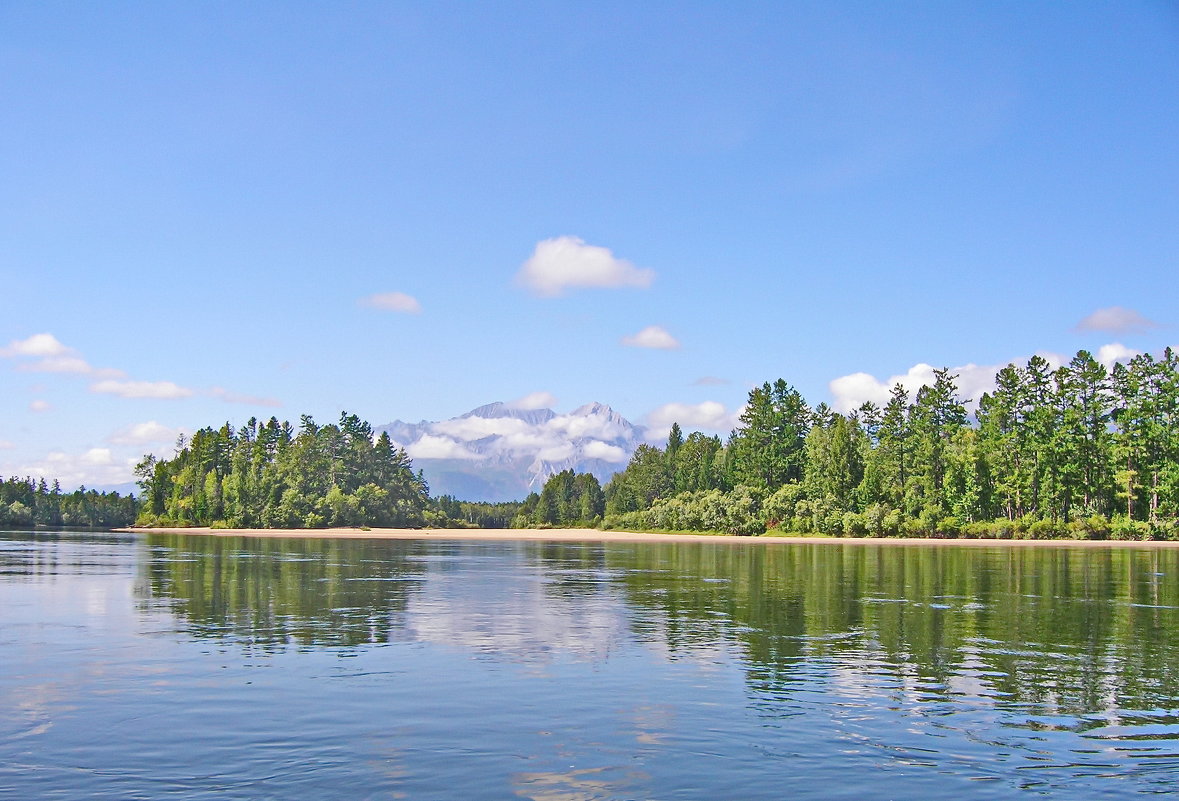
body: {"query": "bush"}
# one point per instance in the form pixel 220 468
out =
pixel 1125 529
pixel 783 504
pixel 1045 530
pixel 1094 527
pixel 855 525
pixel 980 530
pixel 949 527
pixel 743 512
pixel 1166 531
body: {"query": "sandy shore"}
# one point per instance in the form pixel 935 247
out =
pixel 593 535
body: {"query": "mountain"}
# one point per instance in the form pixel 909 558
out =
pixel 499 452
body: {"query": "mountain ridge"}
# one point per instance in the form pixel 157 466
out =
pixel 498 452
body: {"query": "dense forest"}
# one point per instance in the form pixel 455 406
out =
pixel 1078 451
pixel 25 503
pixel 270 476
pixel 267 475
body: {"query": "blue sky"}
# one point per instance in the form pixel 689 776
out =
pixel 209 207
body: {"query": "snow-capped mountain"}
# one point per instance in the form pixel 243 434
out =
pixel 500 452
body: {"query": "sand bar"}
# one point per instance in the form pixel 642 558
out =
pixel 594 535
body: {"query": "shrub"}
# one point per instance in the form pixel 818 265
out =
pixel 743 513
pixel 855 525
pixel 1045 530
pixel 979 530
pixel 1123 528
pixel 949 527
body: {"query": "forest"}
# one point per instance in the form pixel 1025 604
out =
pixel 1076 451
pixel 268 475
pixel 26 503
pixel 1072 452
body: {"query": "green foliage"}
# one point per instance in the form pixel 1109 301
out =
pixel 265 475
pixel 28 503
pixel 1075 452
pixel 567 499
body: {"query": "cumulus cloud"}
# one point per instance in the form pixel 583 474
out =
pixel 579 424
pixel 707 416
pixel 430 446
pixel 535 400
pixel 6 445
pixel 39 406
pixel 604 451
pixel 466 429
pixel 140 389
pixel 36 345
pixel 249 400
pixel 850 391
pixel 53 356
pixel 394 302
pixel 567 262
pixel 1116 320
pixel 1115 352
pixel 96 466
pixel 149 433
pixel 652 336
pixel 557 452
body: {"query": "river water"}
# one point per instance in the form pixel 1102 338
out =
pixel 184 667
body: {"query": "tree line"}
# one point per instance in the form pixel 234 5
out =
pixel 1077 451
pixel 268 475
pixel 28 503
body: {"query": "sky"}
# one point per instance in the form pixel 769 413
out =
pixel 406 210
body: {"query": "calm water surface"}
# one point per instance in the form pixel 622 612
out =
pixel 192 667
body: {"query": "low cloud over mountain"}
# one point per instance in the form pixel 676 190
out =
pixel 502 452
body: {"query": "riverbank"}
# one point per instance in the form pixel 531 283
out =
pixel 596 535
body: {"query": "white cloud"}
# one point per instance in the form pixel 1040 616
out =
pixel 70 364
pixel 1116 320
pixel 850 391
pixel 535 400
pixel 6 445
pixel 141 389
pixel 558 452
pixel 467 429
pixel 710 381
pixel 52 356
pixel 249 400
pixel 707 416
pixel 148 433
pixel 604 451
pixel 94 467
pixel 430 446
pixel 568 262
pixel 652 336
pixel 594 426
pixel 36 345
pixel 394 302
pixel 1115 352
pixel 39 406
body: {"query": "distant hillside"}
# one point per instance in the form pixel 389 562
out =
pixel 497 452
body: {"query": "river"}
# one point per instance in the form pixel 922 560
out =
pixel 186 667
